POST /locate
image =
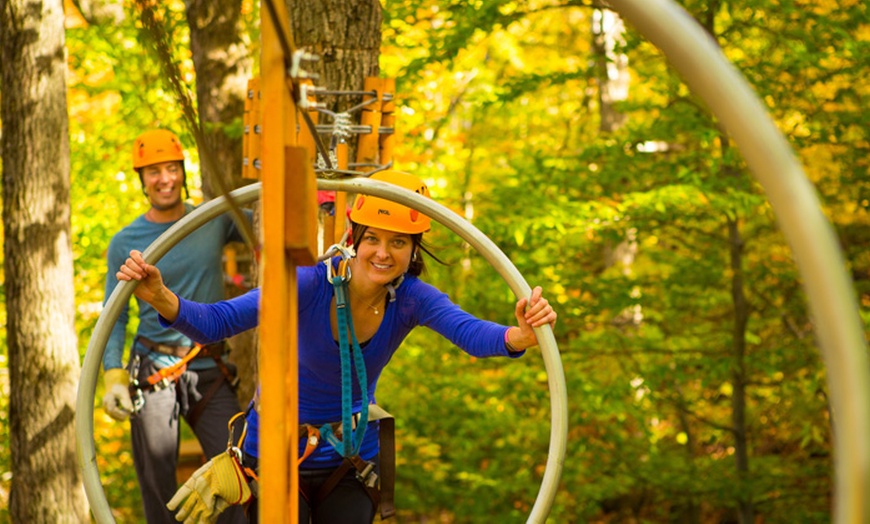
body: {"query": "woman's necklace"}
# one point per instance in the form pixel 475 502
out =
pixel 374 308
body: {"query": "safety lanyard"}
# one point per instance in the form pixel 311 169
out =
pixel 171 373
pixel 351 357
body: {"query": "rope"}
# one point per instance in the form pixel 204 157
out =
pixel 183 96
pixel 351 357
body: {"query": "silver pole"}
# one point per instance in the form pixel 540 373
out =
pixel 502 264
pixel 832 301
pixel 121 294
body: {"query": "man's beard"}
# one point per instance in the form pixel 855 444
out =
pixel 160 207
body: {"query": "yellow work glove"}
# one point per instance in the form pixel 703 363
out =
pixel 117 401
pixel 217 485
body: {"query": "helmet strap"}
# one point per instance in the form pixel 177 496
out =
pixel 392 286
pixel 184 182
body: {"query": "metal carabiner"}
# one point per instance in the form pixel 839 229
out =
pixel 137 397
pixel 343 267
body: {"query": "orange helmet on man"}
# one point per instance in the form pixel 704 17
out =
pixel 156 146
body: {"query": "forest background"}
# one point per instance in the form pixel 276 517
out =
pixel 696 389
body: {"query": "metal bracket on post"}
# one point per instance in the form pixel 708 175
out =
pixel 251 163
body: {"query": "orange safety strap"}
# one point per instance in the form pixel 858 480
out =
pixel 174 371
pixel 312 442
pixel 310 446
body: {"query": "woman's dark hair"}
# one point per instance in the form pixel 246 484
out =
pixel 417 265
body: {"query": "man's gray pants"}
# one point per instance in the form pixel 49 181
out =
pixel 155 434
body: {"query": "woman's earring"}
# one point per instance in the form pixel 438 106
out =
pixel 414 257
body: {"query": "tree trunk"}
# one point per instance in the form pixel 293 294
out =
pixel 346 36
pixel 223 63
pixel 41 338
pixel 739 374
pixel 612 67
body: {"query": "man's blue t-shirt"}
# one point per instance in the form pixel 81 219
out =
pixel 193 269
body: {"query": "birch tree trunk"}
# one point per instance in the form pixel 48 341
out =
pixel 38 264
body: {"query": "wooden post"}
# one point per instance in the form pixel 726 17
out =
pixel 251 162
pixel 367 145
pixel 300 210
pixel 288 211
pixel 388 119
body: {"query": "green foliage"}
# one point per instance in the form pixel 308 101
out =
pixel 505 120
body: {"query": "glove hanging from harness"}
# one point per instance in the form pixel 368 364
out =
pixel 117 401
pixel 218 484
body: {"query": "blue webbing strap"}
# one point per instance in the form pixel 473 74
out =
pixel 351 440
pixel 362 379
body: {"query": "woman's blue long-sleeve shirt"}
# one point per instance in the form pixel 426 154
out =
pixel 416 304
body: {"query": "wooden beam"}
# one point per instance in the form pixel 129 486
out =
pixel 279 485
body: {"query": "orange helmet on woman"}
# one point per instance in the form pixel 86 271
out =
pixel 385 214
pixel 156 146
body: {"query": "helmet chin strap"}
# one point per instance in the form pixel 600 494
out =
pixel 392 286
pixel 166 208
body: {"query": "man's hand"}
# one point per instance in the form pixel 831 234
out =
pixel 217 485
pixel 117 401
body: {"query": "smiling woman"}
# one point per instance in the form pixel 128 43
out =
pixel 336 312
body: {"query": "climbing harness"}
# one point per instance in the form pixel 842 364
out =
pixel 380 486
pixel 346 436
pixel 163 377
